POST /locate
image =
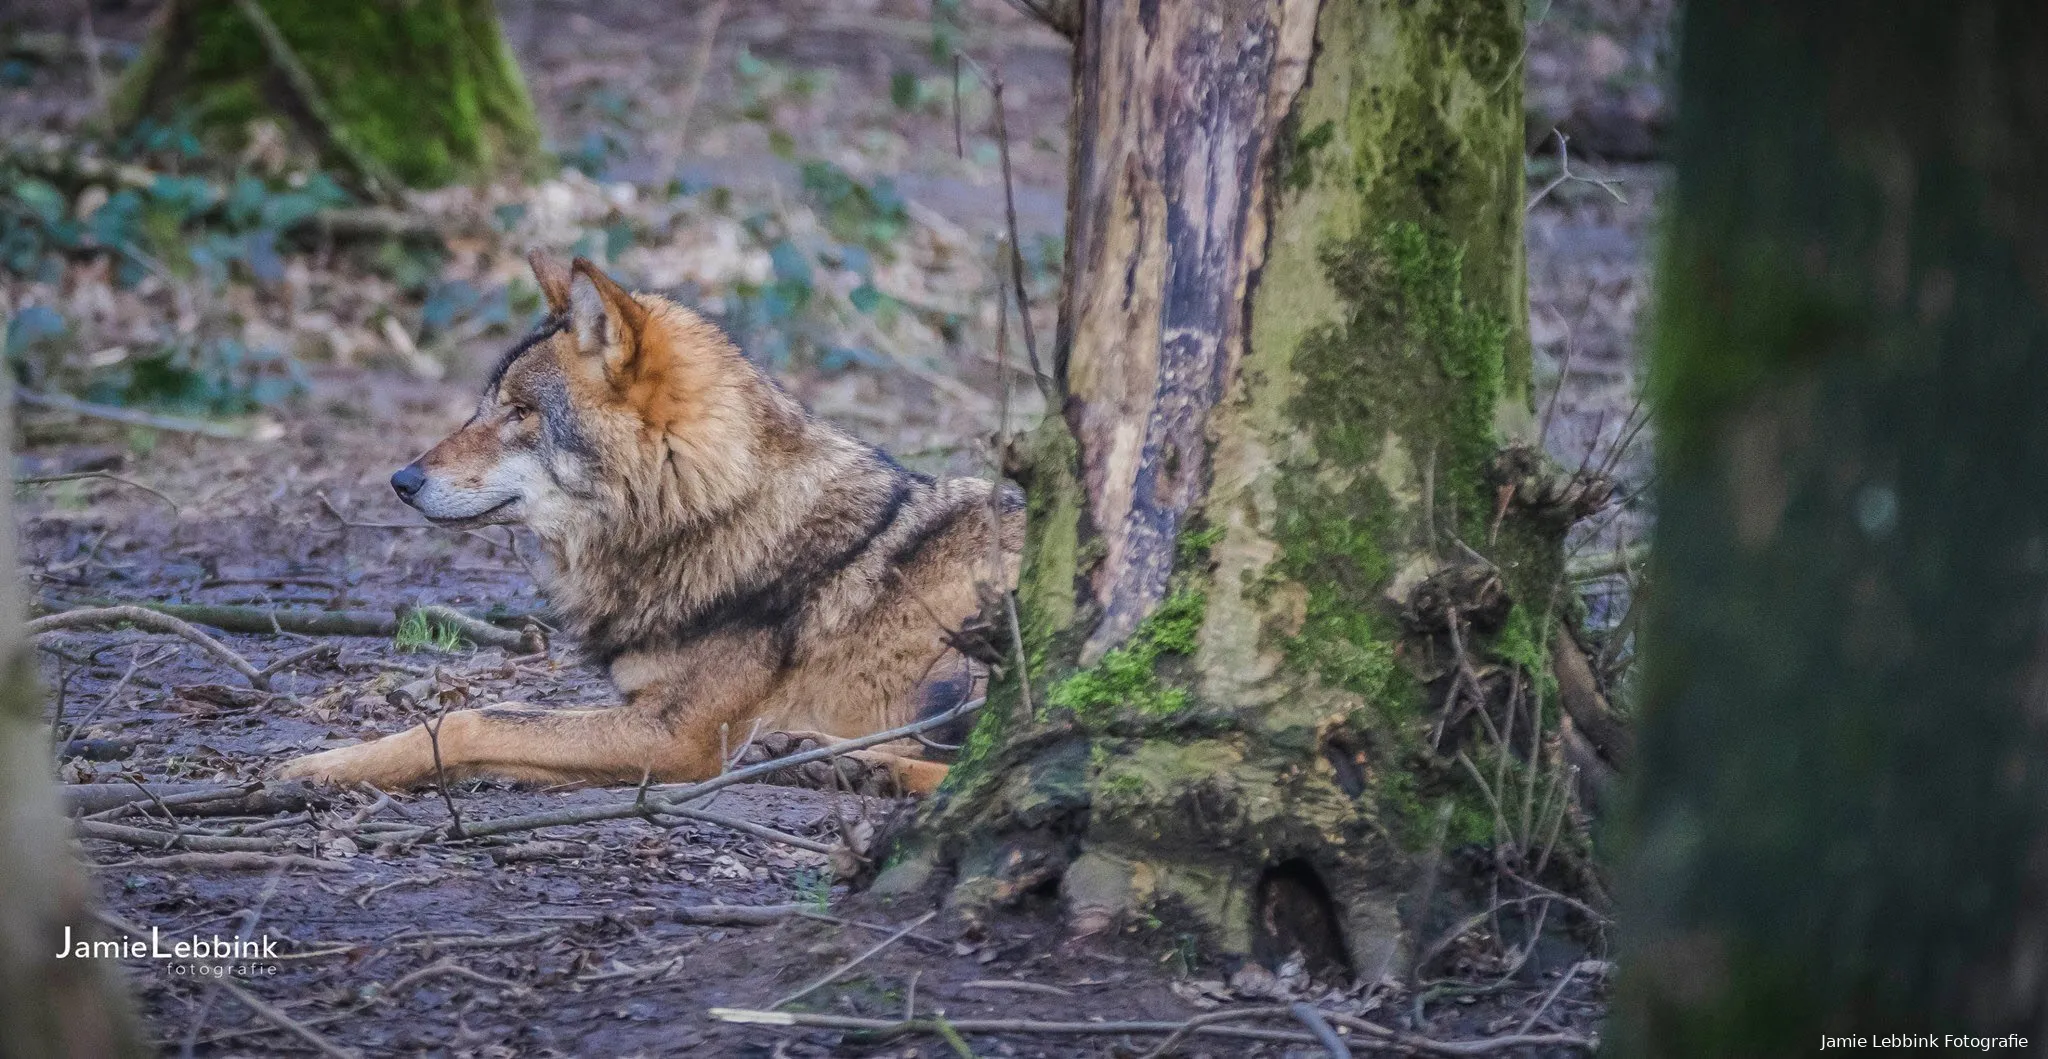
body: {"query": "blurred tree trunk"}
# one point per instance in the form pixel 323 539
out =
pixel 49 1008
pixel 426 91
pixel 1843 822
pixel 1292 345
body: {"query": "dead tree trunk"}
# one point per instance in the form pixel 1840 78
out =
pixel 49 1008
pixel 421 92
pixel 1273 586
pixel 1844 806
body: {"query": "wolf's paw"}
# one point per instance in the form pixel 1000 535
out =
pixel 343 767
pixel 872 773
pixel 855 772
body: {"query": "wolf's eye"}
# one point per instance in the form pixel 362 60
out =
pixel 517 412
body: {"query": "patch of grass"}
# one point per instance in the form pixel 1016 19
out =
pixel 814 888
pixel 417 633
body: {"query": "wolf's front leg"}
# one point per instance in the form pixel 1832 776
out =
pixel 620 744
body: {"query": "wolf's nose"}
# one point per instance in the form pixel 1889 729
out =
pixel 406 482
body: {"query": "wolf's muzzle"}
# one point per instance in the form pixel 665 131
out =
pixel 407 481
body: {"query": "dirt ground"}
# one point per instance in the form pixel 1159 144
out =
pixel 575 940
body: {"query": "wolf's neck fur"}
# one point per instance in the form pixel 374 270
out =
pixel 713 509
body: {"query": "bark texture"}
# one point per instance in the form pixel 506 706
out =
pixel 1291 346
pixel 49 1008
pixel 1843 822
pixel 427 90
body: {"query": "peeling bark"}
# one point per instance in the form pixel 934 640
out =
pixel 1177 110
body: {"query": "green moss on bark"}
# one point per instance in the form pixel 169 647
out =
pixel 1128 678
pixel 428 88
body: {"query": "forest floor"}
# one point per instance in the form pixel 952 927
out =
pixel 704 177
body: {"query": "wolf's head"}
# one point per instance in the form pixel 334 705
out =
pixel 617 407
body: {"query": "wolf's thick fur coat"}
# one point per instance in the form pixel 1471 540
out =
pixel 738 564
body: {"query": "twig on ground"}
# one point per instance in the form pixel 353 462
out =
pixel 886 1028
pixel 811 912
pixel 363 899
pixel 736 915
pixel 1549 999
pixel 144 838
pixel 135 665
pixel 405 700
pixel 477 941
pixel 1479 1046
pixel 253 1031
pixel 269 621
pixel 80 476
pixel 111 801
pixel 298 657
pixel 154 621
pixel 1017 987
pixel 255 915
pixel 1194 1025
pixel 1310 1016
pixel 285 1022
pixel 744 826
pixel 835 973
pixel 446 966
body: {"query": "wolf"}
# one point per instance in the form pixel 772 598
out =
pixel 738 564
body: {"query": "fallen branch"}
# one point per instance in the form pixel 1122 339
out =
pixel 736 915
pixel 109 801
pixel 888 1028
pixel 144 838
pixel 269 621
pixel 155 621
pixel 58 402
pixel 1017 987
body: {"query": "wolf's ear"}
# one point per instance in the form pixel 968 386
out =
pixel 604 318
pixel 553 278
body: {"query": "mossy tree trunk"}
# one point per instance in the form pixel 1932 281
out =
pixel 49 1008
pixel 425 90
pixel 1844 808
pixel 1292 350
